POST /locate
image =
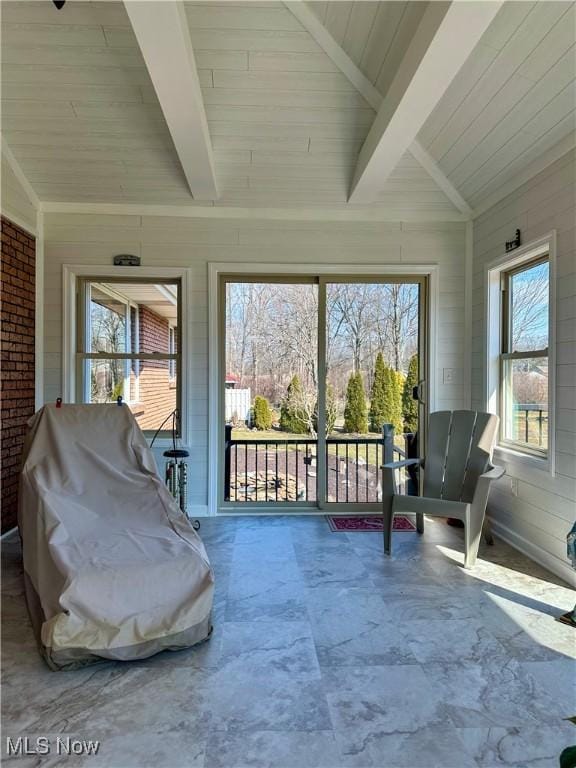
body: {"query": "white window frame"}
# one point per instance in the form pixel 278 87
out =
pixel 493 314
pixel 128 305
pixel 172 349
pixel 70 275
pixel 268 270
pixel 136 349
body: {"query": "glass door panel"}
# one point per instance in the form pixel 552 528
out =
pixel 372 368
pixel 270 391
pixel 311 369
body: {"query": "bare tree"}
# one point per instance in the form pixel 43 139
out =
pixel 108 334
pixel 350 314
pixel 272 333
pixel 529 305
pixel 402 322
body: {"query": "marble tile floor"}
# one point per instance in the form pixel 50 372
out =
pixel 325 654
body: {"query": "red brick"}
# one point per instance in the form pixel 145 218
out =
pixel 17 317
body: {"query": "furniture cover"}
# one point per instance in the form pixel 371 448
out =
pixel 113 569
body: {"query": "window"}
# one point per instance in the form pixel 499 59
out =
pixel 524 356
pixel 127 346
pixel 172 335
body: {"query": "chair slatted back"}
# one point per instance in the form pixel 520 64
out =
pixel 460 446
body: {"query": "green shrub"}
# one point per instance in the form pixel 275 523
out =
pixel 386 397
pixel 355 411
pixel 409 405
pixel 377 413
pixel 395 400
pixel 262 413
pixel 293 417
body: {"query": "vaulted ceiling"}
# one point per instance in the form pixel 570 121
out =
pixel 286 121
pixel 374 34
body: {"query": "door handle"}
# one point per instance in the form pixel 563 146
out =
pixel 417 391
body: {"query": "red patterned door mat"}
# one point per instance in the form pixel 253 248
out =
pixel 367 523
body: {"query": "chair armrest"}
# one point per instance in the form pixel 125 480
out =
pixel 400 464
pixel 480 498
pixel 494 473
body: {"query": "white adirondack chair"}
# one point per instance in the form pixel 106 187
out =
pixel 457 475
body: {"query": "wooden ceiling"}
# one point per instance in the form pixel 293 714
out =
pixel 81 117
pixel 514 99
pixel 374 34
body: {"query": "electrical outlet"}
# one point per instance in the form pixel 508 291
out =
pixel 514 486
pixel 448 375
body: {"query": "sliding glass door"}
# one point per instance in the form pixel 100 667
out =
pixel 310 370
pixel 371 369
pixel 269 379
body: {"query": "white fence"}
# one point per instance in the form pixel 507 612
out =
pixel 237 404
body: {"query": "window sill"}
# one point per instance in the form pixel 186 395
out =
pixel 518 457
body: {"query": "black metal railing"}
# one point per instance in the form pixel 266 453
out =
pixel 532 428
pixel 286 470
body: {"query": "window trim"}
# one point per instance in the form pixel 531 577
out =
pixel 495 328
pixel 507 352
pixel 173 350
pixel 71 273
pixel 128 305
pixel 270 271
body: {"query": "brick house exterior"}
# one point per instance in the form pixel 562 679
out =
pixel 157 389
pixel 17 318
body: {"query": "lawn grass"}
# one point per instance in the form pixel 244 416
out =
pixel 266 435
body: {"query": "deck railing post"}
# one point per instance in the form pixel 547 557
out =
pixel 411 451
pixel 540 426
pixel 388 442
pixel 227 462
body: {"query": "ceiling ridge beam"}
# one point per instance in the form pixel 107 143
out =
pixel 446 36
pixel 350 70
pixel 163 35
pixel 20 175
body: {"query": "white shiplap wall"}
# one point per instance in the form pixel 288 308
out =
pixel 538 519
pixel 164 241
pixel 14 201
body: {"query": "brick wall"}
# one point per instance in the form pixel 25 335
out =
pixel 17 318
pixel 157 393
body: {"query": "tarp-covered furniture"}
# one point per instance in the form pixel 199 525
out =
pixel 113 569
pixel 458 472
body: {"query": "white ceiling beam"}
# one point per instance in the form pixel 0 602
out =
pixel 249 214
pixel 335 52
pixel 431 166
pixel 349 69
pixel 164 39
pixel 445 38
pixel 19 174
